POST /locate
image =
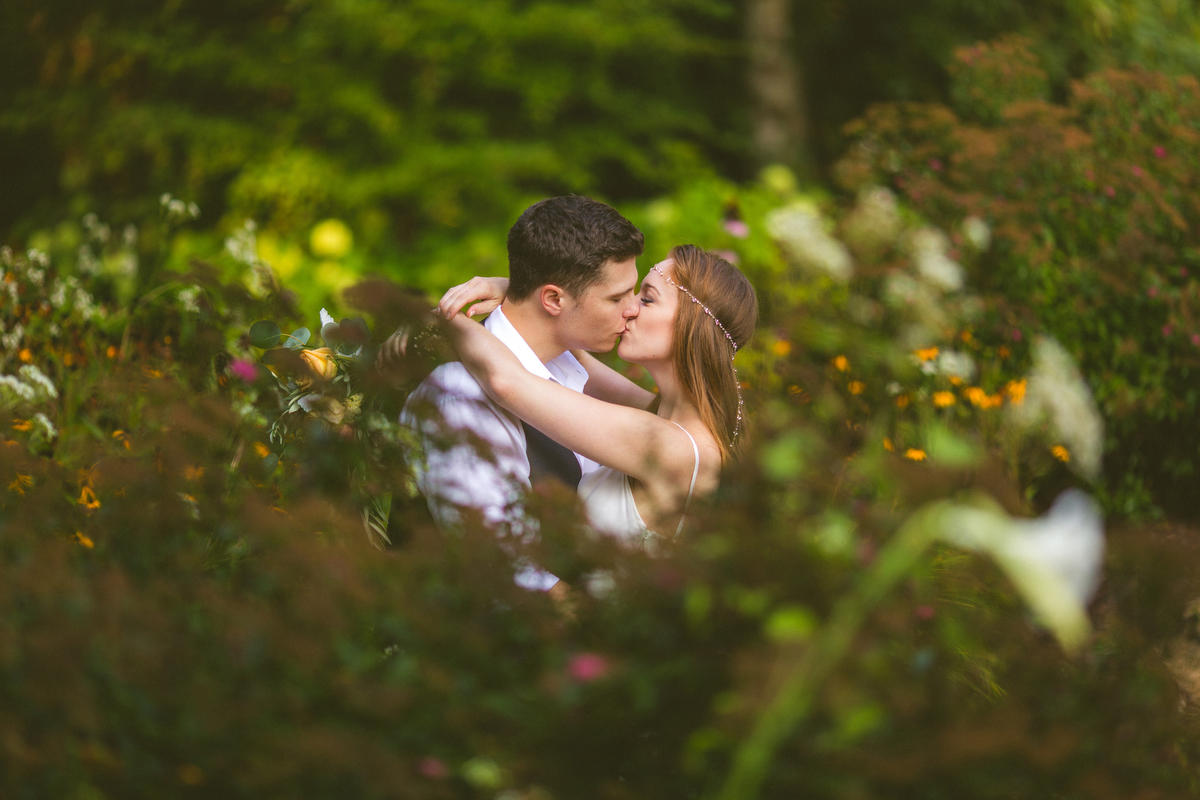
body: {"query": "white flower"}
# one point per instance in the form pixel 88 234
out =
pixel 1058 394
pixel 928 247
pixel 800 231
pixel 12 387
pixel 46 425
pixel 129 236
pixel 188 298
pixel 1054 561
pixel 978 233
pixel 875 221
pixel 36 276
pixel 36 378
pixel 956 365
pixel 243 244
pixel 326 318
pixel 12 339
pixel 37 258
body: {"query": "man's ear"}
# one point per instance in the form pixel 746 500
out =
pixel 553 299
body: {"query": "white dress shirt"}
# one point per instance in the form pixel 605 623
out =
pixel 455 473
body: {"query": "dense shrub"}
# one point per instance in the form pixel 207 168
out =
pixel 1093 212
pixel 182 612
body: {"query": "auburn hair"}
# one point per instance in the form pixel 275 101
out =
pixel 700 353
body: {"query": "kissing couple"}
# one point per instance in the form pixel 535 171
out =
pixel 527 402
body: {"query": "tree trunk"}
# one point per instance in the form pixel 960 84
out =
pixel 778 114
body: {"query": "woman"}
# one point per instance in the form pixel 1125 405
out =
pixel 657 452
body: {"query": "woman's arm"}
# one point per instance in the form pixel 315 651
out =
pixel 605 383
pixel 628 440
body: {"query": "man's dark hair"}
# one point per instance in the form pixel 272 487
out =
pixel 566 241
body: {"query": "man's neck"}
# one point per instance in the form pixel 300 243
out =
pixel 534 326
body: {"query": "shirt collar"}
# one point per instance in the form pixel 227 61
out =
pixel 564 369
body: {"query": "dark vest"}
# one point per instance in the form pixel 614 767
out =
pixel 550 460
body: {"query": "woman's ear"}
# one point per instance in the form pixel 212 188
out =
pixel 552 299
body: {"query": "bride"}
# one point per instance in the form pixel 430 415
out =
pixel 695 310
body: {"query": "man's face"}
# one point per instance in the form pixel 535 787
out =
pixel 596 319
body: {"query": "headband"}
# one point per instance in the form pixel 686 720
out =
pixel 736 383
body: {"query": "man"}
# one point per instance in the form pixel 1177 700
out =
pixel 572 272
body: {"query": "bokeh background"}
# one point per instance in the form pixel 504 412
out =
pixel 973 227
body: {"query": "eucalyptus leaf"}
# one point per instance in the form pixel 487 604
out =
pixel 264 334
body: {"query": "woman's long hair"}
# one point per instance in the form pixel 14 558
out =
pixel 701 355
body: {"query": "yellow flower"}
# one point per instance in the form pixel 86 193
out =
pixel 85 540
pixel 841 363
pixel 913 454
pixel 25 355
pixel 123 438
pixel 331 239
pixel 193 473
pixel 782 348
pixel 887 445
pixel 262 450
pixel 955 380
pixel 944 399
pixel 320 362
pixel 857 387
pixel 329 409
pixel 977 396
pixel 22 424
pixel 1061 453
pixel 1015 391
pixel 927 353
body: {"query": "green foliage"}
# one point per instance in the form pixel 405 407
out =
pixel 1092 208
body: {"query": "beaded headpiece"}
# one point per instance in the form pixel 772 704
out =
pixel 736 383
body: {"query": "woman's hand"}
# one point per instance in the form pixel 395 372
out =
pixel 485 293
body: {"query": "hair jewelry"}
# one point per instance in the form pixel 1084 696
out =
pixel 736 383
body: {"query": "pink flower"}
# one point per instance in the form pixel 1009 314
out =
pixel 587 667
pixel 1016 334
pixel 1110 191
pixel 433 768
pixel 1091 176
pixel 244 369
pixel 736 228
pixel 1160 152
pixel 1152 291
pixel 935 165
pixel 925 612
pixel 1166 330
pixel 729 255
pixel 1183 273
pixel 1196 339
pixel 1137 172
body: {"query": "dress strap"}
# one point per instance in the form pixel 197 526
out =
pixel 695 474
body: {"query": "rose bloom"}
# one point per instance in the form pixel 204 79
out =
pixel 320 362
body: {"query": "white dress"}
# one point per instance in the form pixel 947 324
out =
pixel 608 502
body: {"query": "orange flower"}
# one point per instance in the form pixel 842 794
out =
pixel 88 499
pixel 944 399
pixel 85 540
pixel 25 355
pixel 913 454
pixel 1003 351
pixel 320 362
pixel 262 450
pixel 902 401
pixel 887 445
pixel 111 352
pixel 857 387
pixel 1016 391
pixel 193 473
pixel 22 424
pixel 782 348
pixel 1061 453
pixel 20 483
pixel 927 353
pixel 841 364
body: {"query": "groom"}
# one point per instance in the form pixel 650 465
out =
pixel 572 273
